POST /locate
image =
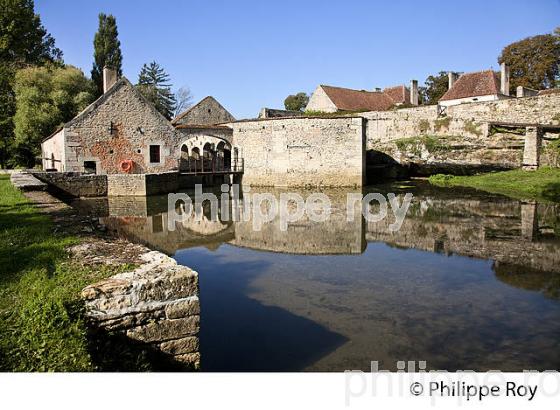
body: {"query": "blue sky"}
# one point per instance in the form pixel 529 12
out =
pixel 251 54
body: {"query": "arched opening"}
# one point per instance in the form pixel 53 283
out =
pixel 208 155
pixel 195 162
pixel 223 156
pixel 184 160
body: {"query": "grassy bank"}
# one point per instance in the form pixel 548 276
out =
pixel 41 324
pixel 542 184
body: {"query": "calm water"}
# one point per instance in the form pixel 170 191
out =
pixel 470 281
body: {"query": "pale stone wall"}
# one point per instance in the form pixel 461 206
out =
pixel 320 101
pixel 463 136
pixel 208 111
pixel 303 151
pixel 479 98
pixel 53 148
pixel 121 125
pixel 142 184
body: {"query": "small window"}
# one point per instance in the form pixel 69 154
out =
pixel 209 110
pixel 157 223
pixel 90 167
pixel 154 154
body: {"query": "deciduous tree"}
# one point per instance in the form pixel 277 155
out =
pixel 434 88
pixel 23 41
pixel 184 99
pixel 296 102
pixel 46 97
pixel 534 62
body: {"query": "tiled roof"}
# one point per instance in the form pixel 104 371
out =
pixel 346 99
pixel 399 94
pixel 549 91
pixel 473 85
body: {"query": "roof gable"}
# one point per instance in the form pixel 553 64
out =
pixel 120 84
pixel 346 99
pixel 206 100
pixel 473 85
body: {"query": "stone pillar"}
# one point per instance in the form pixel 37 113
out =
pixel 414 92
pixel 532 148
pixel 504 79
pixel 109 78
pixel 529 221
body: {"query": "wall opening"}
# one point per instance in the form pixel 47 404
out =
pixel 155 156
pixel 90 167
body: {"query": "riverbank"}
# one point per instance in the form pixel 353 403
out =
pixel 541 185
pixel 42 325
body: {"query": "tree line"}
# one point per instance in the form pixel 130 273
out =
pixel 534 62
pixel 39 92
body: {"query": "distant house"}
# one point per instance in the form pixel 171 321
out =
pixel 330 99
pixel 479 86
pixel 207 111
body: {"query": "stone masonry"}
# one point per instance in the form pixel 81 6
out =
pixel 304 151
pixel 155 305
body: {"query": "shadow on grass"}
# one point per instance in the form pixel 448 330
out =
pixel 551 192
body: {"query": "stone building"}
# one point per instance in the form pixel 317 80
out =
pixel 476 87
pixel 121 132
pixel 207 111
pixel 330 99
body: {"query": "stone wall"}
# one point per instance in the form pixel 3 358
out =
pixel 155 306
pixel 142 184
pixel 208 111
pixel 52 152
pixel 74 183
pixel 304 151
pixel 464 137
pixel 121 125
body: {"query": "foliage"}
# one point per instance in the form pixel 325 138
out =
pixel 41 323
pixel 107 50
pixel 46 97
pixel 442 123
pixel 534 62
pixel 435 87
pixel 471 127
pixel 153 83
pixel 552 151
pixel 296 102
pixel 423 126
pixel 542 184
pixel 23 41
pixel 184 99
pixel 415 145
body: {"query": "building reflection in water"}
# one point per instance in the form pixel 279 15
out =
pixel 405 295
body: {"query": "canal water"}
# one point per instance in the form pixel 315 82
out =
pixel 470 281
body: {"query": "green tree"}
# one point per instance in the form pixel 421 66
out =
pixel 46 97
pixel 23 41
pixel 296 102
pixel 107 50
pixel 434 88
pixel 534 62
pixel 153 83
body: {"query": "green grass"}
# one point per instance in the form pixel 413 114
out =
pixel 542 184
pixel 41 314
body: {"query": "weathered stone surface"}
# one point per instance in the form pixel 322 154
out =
pixel 183 308
pixel 304 151
pixel 27 182
pixel 191 359
pixel 180 346
pixel 165 330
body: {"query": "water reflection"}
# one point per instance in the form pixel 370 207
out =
pixel 470 281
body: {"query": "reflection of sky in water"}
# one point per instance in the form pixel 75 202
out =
pixel 339 294
pixel 273 311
